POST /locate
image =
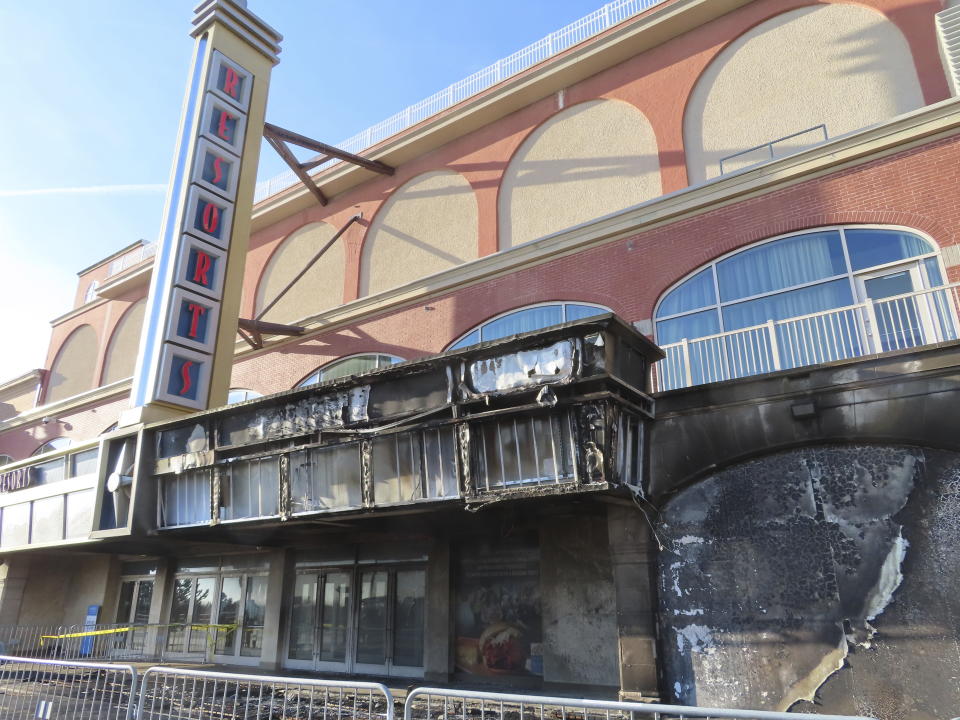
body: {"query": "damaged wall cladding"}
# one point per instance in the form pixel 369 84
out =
pixel 823 573
pixel 556 411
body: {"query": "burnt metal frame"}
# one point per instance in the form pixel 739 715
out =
pixel 278 138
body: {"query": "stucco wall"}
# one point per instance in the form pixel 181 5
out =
pixel 428 225
pixel 842 65
pixel 121 356
pixel 72 371
pixel 586 161
pixel 320 288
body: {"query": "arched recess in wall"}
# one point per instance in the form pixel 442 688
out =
pixel 426 226
pixel 839 65
pixel 121 356
pixel 321 288
pixel 72 370
pixel 587 161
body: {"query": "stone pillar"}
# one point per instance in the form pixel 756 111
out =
pixel 633 556
pixel 438 628
pixel 275 622
pixel 13 580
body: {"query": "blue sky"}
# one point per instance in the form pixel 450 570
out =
pixel 93 95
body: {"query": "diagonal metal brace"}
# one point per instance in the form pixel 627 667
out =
pixel 278 138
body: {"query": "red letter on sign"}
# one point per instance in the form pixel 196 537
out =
pixel 185 376
pixel 218 176
pixel 222 129
pixel 197 311
pixel 211 218
pixel 201 268
pixel 230 82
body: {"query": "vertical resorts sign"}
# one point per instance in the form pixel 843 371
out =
pixel 214 168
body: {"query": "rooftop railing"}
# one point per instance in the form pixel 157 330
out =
pixel 905 321
pixel 556 42
pixel 134 257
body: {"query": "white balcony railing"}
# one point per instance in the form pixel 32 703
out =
pixel 874 326
pixel 134 257
pixel 576 32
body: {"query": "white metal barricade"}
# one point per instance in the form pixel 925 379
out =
pixel 39 689
pixel 167 693
pixel 438 704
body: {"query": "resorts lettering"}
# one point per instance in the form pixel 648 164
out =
pixel 15 479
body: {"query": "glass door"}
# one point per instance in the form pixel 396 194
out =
pixel 902 320
pixel 366 620
pixel 133 611
pixel 240 615
pixel 191 614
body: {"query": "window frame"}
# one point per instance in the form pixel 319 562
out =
pixel 319 370
pixel 851 274
pixel 479 327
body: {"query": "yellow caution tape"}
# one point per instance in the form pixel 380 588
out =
pixel 114 631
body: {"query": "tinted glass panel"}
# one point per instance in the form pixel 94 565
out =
pixel 471 339
pixel 179 609
pixel 84 462
pixel 252 489
pixel 302 617
pixel 688 326
pixel 202 613
pixel 325 478
pixel 335 617
pixel 781 264
pixel 578 312
pixel 126 601
pixel 15 529
pixel 48 472
pixel 697 292
pixel 254 611
pixel 229 614
pixel 522 321
pixel 408 626
pixel 808 300
pixel 933 272
pixel 141 613
pixel 80 513
pixel 372 623
pixel 47 519
pixel 869 247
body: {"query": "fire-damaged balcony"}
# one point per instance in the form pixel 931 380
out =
pixel 558 411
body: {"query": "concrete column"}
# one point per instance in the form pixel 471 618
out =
pixel 13 581
pixel 160 605
pixel 438 625
pixel 633 556
pixel 275 622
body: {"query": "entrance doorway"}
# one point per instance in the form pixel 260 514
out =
pixel 903 315
pixel 358 619
pixel 218 617
pixel 133 611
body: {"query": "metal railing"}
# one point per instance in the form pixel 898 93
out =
pixel 770 149
pixel 38 689
pixel 178 693
pixel 905 321
pixel 134 257
pixel 556 42
pixel 442 704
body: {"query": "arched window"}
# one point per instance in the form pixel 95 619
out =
pixel 241 394
pixel 527 319
pixel 353 365
pixel 91 293
pixel 5 460
pixel 60 443
pixel 816 290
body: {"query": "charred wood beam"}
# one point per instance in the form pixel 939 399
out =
pixel 306 267
pixel 284 152
pixel 303 141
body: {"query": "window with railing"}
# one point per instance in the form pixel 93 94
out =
pixel 807 298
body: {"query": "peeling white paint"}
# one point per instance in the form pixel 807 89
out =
pixel 691 540
pixel 695 611
pixel 675 572
pixel 551 364
pixel 700 638
pixel 890 577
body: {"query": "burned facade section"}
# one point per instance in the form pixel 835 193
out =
pixel 555 412
pixel 792 579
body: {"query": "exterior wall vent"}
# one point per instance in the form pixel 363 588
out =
pixel 948 32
